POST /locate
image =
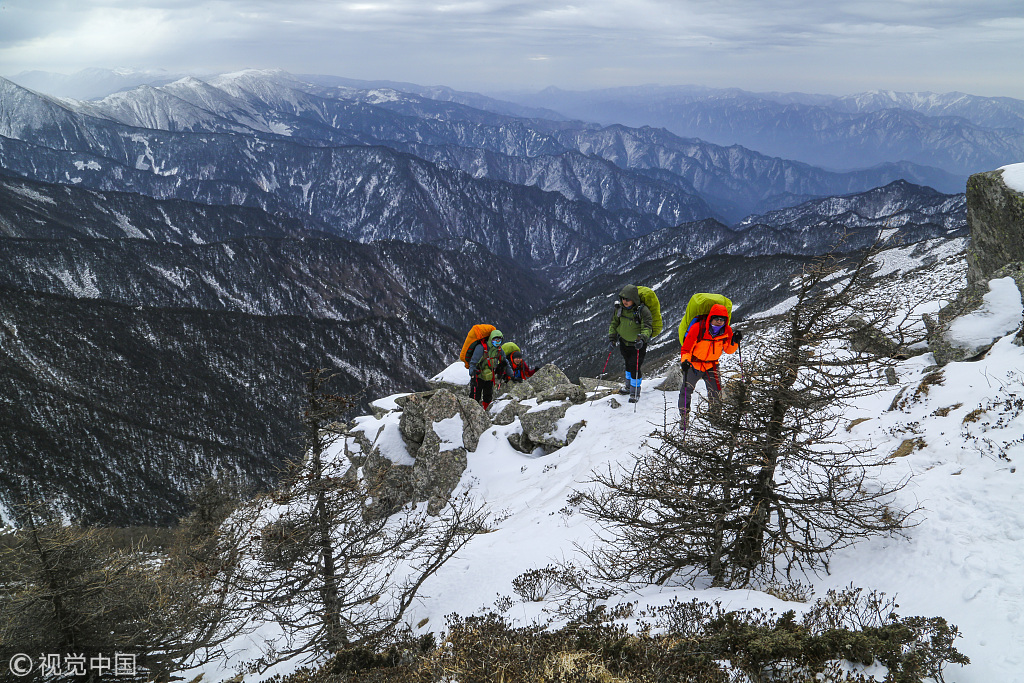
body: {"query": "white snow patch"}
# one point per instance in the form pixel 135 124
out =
pixel 280 128
pixel 456 373
pixel 999 315
pixel 388 402
pixel 82 284
pixel 91 165
pixel 125 224
pixel 1013 177
pixel 32 194
pixel 449 431
pixel 385 435
pixel 172 276
pixel 778 309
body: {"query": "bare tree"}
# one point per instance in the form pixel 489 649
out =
pixel 768 479
pixel 64 590
pixel 313 558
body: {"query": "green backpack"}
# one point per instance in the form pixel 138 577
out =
pixel 700 304
pixel 650 300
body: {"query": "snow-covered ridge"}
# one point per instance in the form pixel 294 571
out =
pixel 954 432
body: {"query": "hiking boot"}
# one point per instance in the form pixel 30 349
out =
pixel 624 390
pixel 634 394
pixel 684 419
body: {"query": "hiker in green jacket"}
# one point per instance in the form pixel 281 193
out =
pixel 487 364
pixel 631 328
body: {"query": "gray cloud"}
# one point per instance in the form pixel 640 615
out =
pixel 494 44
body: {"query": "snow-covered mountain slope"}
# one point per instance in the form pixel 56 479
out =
pixel 960 560
pixel 952 433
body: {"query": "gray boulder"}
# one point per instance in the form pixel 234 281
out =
pixel 437 472
pixel 438 465
pixel 866 338
pixel 673 379
pixel 564 392
pixel 520 442
pixel 995 218
pixel 450 386
pixel 597 384
pixel 538 423
pixel 510 412
pixel 390 485
pixel 521 391
pixel 412 424
pixel 444 405
pixel 547 377
pixel 947 350
pixel 421 396
pixel 539 428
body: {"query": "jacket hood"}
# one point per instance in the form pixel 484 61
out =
pixel 630 292
pixel 718 309
pixel 496 333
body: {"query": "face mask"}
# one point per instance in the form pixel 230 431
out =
pixel 496 342
pixel 717 330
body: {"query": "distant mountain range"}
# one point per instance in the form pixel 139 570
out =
pixel 267 139
pixel 958 133
pixel 174 258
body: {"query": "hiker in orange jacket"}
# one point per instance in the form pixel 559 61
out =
pixel 706 339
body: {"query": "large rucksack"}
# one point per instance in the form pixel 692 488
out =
pixel 700 304
pixel 650 300
pixel 478 334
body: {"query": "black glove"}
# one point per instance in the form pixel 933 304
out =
pixel 613 342
pixel 641 341
pixel 686 365
pixel 736 336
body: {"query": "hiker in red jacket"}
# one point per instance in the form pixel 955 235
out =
pixel 706 339
pixel 518 369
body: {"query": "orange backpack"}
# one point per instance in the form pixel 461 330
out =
pixel 477 334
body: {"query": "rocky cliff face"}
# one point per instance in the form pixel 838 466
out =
pixel 995 216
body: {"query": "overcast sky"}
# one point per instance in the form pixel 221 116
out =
pixel 975 46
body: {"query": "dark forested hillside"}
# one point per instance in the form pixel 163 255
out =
pixel 147 345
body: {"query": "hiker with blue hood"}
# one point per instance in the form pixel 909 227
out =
pixel 487 364
pixel 631 329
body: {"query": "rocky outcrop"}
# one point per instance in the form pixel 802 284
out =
pixel 564 392
pixel 946 348
pixel 548 377
pixel 540 431
pixel 673 378
pixel 438 429
pixel 866 338
pixel 995 217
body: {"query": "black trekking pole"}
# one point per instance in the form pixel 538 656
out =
pixel 743 374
